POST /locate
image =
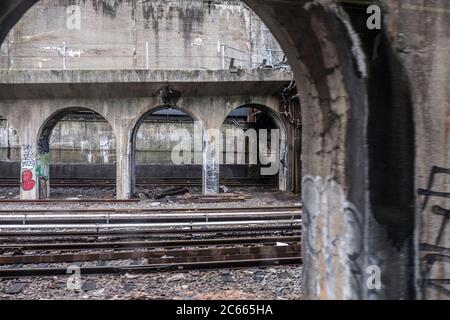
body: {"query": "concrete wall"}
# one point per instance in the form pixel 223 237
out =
pixel 375 122
pixel 185 34
pixel 421 34
pixel 9 142
pixel 92 141
pixel 123 115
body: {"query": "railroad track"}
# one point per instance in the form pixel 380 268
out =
pixel 66 201
pixel 218 238
pixel 140 210
pixel 178 266
pixel 164 258
pixel 147 183
pixel 142 218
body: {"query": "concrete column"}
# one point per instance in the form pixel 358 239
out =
pixel 43 168
pixel 28 178
pixel 283 161
pixel 212 151
pixel 123 165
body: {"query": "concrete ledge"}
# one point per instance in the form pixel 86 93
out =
pixel 29 84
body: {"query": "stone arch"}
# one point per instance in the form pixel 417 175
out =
pixel 137 124
pixel 282 153
pixel 43 146
pixel 331 75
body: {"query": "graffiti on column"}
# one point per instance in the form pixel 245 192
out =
pixel 354 248
pixel 333 227
pixel 42 173
pixel 311 208
pixel 27 165
pixel 436 253
pixel 42 167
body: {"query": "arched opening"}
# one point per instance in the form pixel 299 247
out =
pixel 254 149
pixel 10 155
pixel 325 54
pixel 166 151
pixel 76 148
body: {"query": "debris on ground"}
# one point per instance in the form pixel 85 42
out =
pixel 171 192
pixel 215 198
pixel 280 283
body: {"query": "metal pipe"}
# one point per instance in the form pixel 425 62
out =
pixel 147 61
pixel 223 56
pixel 145 225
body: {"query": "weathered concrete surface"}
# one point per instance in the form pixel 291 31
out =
pixel 420 32
pixel 35 120
pixel 152 172
pixel 181 34
pixel 332 90
pixel 138 83
pixel 350 163
pixel 320 47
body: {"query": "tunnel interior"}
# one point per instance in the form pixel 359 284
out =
pixel 243 152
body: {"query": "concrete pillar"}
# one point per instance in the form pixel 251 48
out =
pixel 28 178
pixel 212 151
pixel 123 165
pixel 43 168
pixel 283 160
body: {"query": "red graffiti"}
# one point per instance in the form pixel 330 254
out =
pixel 28 183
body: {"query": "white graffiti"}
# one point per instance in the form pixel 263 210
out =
pixel 332 227
pixel 28 158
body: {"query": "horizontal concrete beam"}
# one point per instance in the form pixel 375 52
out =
pixel 31 84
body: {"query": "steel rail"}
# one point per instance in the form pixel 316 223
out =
pixel 52 201
pixel 209 265
pixel 141 233
pixel 111 220
pixel 156 257
pixel 144 225
pixel 144 215
pixel 148 244
pixel 151 210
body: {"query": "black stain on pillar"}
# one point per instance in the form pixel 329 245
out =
pixel 356 145
pixel 392 145
pixel 391 132
pixel 391 148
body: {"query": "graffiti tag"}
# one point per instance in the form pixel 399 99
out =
pixel 436 254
